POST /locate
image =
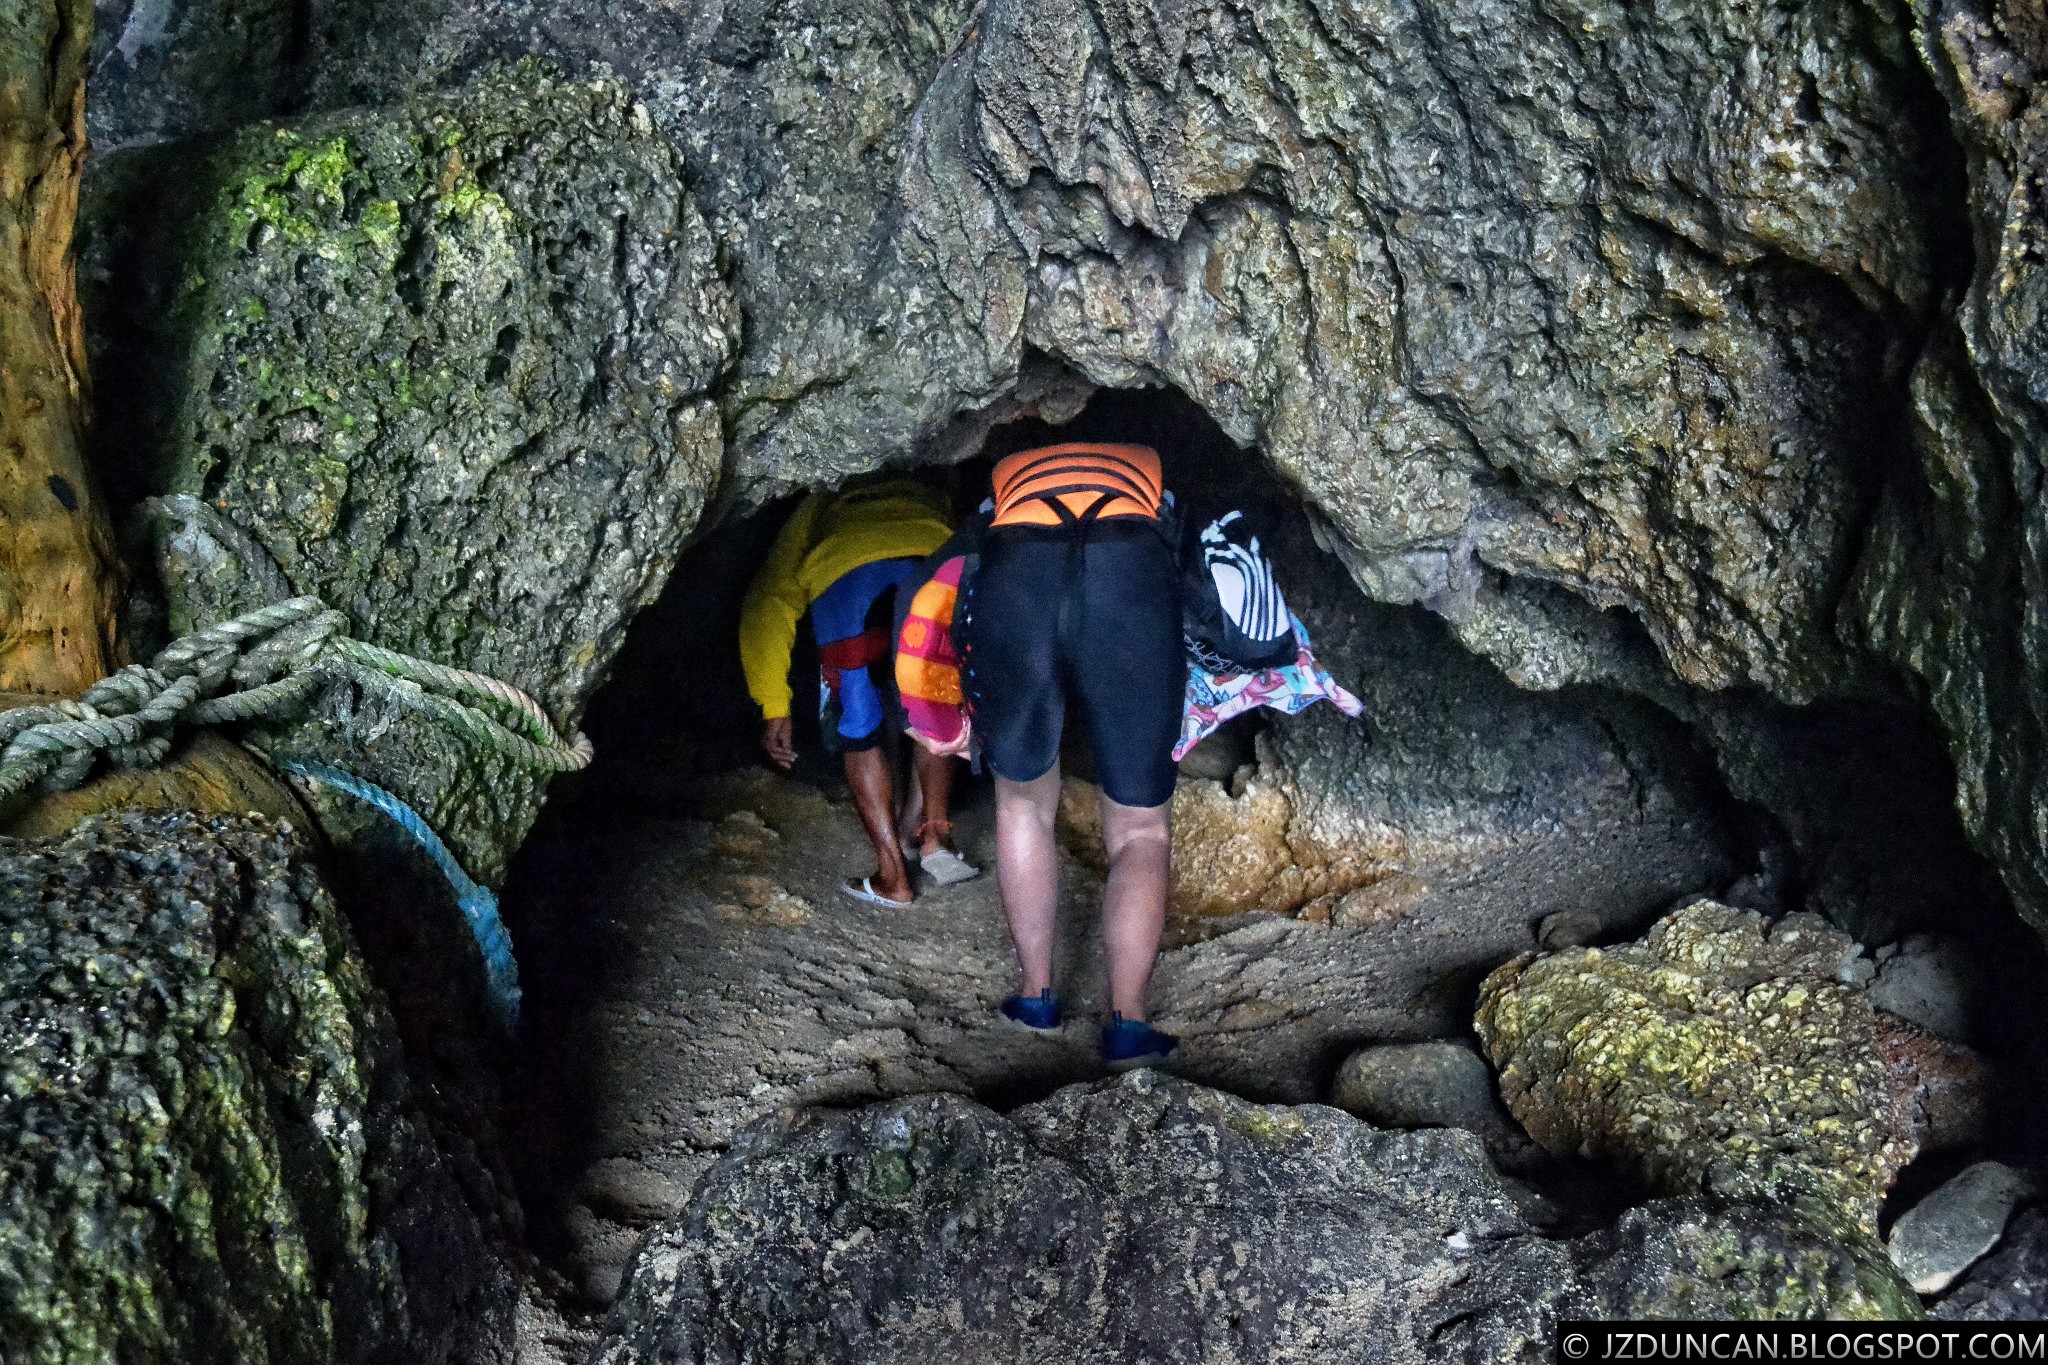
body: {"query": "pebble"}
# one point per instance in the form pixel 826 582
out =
pixel 1951 1229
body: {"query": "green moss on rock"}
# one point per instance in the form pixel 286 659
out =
pixel 1701 1258
pixel 449 362
pixel 207 1155
pixel 1719 1053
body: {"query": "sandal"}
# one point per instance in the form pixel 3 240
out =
pixel 947 868
pixel 865 891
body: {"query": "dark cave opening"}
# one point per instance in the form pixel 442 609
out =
pixel 1844 807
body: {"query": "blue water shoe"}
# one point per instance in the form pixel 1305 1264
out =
pixel 1041 1011
pixel 1133 1042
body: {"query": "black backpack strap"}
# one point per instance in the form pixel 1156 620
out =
pixel 1088 515
pixel 1095 508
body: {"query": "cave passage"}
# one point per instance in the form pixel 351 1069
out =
pixel 690 966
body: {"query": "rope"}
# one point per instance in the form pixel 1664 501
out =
pixel 479 906
pixel 271 662
pixel 277 657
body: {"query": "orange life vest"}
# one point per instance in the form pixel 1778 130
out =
pixel 1076 483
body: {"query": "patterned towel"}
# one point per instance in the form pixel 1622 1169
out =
pixel 1213 698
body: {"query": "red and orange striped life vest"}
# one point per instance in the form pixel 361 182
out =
pixel 1085 482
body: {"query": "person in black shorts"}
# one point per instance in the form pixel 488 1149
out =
pixel 1075 606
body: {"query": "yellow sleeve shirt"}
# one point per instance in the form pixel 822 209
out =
pixel 830 535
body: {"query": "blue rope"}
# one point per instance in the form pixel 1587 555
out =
pixel 478 905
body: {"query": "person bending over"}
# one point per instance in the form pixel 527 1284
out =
pixel 837 556
pixel 1065 596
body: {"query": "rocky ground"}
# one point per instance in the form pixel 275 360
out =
pixel 699 973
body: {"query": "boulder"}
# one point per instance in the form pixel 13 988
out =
pixel 1567 929
pixel 1151 1218
pixel 1951 1229
pixel 1701 1257
pixel 447 364
pixel 1439 1084
pixel 210 1153
pixel 1719 1053
pixel 1137 1216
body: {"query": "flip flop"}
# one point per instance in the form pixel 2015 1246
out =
pixel 947 868
pixel 866 892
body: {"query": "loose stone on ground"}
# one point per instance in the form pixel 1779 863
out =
pixel 1947 1232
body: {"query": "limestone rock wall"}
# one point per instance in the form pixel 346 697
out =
pixel 1629 341
pixel 1599 307
pixel 1953 586
pixel 1474 296
pixel 211 1154
pixel 449 363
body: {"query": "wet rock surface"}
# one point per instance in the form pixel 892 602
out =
pixel 1719 1053
pixel 1144 1210
pixel 448 364
pixel 210 1151
pixel 1706 1258
pixel 1148 1216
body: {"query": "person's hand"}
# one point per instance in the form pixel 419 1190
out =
pixel 951 748
pixel 778 739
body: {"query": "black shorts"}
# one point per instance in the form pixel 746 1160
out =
pixel 1091 613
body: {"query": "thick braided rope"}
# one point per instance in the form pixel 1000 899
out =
pixel 479 906
pixel 279 655
pixel 542 746
pixel 69 732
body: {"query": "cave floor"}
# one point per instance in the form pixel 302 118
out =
pixel 691 975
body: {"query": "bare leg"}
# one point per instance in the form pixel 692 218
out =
pixel 1139 840
pixel 913 812
pixel 867 773
pixel 1028 867
pixel 935 786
